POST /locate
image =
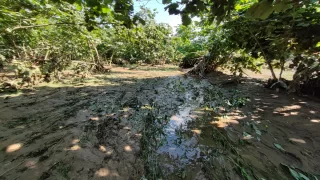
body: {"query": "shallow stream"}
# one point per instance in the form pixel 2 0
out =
pixel 184 132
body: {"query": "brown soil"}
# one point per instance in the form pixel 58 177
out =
pixel 73 131
pixel 87 130
pixel 291 121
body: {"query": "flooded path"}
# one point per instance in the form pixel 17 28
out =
pixel 179 150
pixel 149 124
pixel 186 134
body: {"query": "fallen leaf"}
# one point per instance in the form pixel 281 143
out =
pixel 278 146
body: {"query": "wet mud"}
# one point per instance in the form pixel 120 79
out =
pixel 148 124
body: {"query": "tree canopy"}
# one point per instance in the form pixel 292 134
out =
pixel 232 34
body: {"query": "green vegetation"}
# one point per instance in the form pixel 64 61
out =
pixel 46 37
pixel 55 36
pixel 56 40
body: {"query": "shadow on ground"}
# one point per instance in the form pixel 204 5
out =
pixel 127 125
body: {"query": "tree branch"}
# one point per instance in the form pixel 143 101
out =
pixel 53 24
pixel 264 55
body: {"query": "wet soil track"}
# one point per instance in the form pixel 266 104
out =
pixel 134 124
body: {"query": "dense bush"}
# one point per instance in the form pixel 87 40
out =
pixel 51 34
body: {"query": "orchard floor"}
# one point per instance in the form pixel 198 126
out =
pixel 151 122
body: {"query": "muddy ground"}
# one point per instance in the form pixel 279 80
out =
pixel 151 123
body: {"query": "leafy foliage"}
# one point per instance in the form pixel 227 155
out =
pixel 280 38
pixel 275 32
pixel 224 9
pixel 56 34
pixel 149 42
pixel 192 43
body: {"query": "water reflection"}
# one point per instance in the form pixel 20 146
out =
pixel 180 148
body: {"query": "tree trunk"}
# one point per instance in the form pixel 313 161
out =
pixel 47 55
pixel 271 69
pixel 111 59
pixel 25 52
pixel 96 57
pixel 282 61
pixel 97 61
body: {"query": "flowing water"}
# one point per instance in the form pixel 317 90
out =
pixel 185 134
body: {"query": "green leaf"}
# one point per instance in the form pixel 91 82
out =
pixel 318 44
pixel 278 146
pixel 245 174
pixel 303 176
pixel 303 24
pixel 166 1
pixel 295 174
pixel 173 8
pixel 186 20
pixel 48 6
pixel 260 10
pixel 78 6
pixel 105 10
pixel 246 136
pixel 90 28
pixel 258 132
pixel 71 1
pixel 201 6
pixel 256 129
pixel 282 6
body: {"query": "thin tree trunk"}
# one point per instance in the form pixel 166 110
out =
pixel 282 68
pixel 25 52
pixel 97 53
pixel 268 61
pixel 92 55
pixel 271 69
pixel 47 54
pixel 96 58
pixel 111 59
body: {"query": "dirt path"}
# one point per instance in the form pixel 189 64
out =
pixel 280 132
pixel 145 123
pixel 285 131
pixel 68 131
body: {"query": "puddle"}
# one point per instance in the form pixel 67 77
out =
pixel 176 146
pixel 182 144
pixel 181 135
